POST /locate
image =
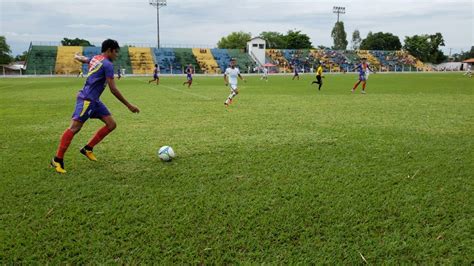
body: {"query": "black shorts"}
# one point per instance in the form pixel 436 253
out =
pixel 319 79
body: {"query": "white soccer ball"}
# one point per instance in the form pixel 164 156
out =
pixel 166 153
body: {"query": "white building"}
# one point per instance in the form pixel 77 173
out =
pixel 256 48
pixel 14 68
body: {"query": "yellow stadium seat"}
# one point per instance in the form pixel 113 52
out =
pixel 65 62
pixel 373 61
pixel 206 61
pixel 141 60
pixel 277 57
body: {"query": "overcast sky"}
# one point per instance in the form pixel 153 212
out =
pixel 194 22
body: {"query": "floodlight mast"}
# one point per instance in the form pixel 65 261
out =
pixel 339 10
pixel 158 4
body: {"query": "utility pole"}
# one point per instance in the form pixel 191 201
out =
pixel 158 4
pixel 339 10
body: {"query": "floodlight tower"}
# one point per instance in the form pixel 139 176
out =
pixel 339 10
pixel 158 4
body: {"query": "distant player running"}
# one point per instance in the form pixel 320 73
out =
pixel 156 78
pixel 119 74
pixel 468 71
pixel 88 104
pixel 189 76
pixel 265 74
pixel 296 74
pixel 319 76
pixel 362 68
pixel 230 77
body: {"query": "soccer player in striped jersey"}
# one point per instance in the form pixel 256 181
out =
pixel 296 74
pixel 88 104
pixel 156 78
pixel 362 68
pixel 189 76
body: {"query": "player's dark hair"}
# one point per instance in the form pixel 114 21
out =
pixel 110 44
pixel 156 65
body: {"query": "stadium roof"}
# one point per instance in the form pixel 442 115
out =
pixel 15 65
pixel 469 60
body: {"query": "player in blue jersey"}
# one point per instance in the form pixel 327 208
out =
pixel 189 76
pixel 88 104
pixel 363 68
pixel 156 78
pixel 296 74
pixel 119 73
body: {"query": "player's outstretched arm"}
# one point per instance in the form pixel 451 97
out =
pixel 240 76
pixel 81 58
pixel 119 96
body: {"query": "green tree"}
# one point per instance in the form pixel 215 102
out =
pixel 235 40
pixel 339 36
pixel 356 40
pixel 381 41
pixel 75 42
pixel 297 40
pixel 21 57
pixel 464 55
pixel 275 40
pixel 426 47
pixel 5 51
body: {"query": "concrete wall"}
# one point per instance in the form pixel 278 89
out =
pixel 257 46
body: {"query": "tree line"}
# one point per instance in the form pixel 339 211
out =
pixel 425 47
pixel 275 40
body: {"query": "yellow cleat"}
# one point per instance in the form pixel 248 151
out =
pixel 58 166
pixel 89 154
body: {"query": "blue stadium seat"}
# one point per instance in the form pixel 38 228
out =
pixel 167 61
pixel 222 58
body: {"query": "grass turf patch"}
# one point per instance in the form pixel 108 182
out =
pixel 287 175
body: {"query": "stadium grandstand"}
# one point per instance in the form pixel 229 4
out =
pixel 56 59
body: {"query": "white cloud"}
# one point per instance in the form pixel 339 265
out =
pixel 89 26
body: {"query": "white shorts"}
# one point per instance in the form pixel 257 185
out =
pixel 233 87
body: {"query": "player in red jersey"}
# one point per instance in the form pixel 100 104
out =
pixel 88 104
pixel 363 68
pixel 189 76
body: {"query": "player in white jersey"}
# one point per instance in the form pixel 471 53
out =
pixel 231 76
pixel 468 71
pixel 265 74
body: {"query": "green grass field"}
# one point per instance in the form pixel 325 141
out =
pixel 288 175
